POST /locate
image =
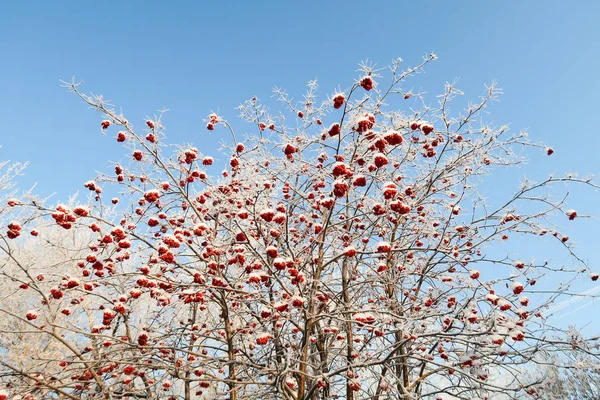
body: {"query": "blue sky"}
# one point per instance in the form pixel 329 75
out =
pixel 193 57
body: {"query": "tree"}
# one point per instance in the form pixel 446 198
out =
pixel 344 252
pixel 571 374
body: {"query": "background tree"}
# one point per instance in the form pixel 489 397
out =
pixel 571 374
pixel 344 252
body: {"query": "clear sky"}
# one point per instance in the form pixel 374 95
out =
pixel 193 57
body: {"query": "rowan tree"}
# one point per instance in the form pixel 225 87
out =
pixel 345 251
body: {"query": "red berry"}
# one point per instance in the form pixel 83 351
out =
pixel 338 101
pixel 366 83
pixel 335 130
pixel 137 155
